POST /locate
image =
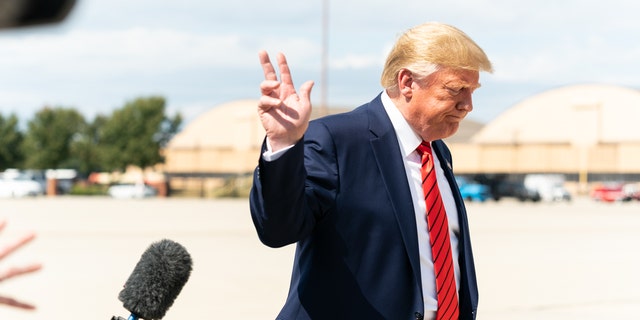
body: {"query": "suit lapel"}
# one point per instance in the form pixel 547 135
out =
pixel 445 164
pixel 389 160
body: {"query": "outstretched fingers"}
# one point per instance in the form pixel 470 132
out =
pixel 267 67
pixel 16 245
pixel 18 271
pixel 285 73
pixel 305 91
pixel 15 303
pixel 284 113
pixel 270 86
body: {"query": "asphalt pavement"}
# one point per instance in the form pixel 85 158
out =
pixel 534 260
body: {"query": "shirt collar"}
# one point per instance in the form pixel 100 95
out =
pixel 408 139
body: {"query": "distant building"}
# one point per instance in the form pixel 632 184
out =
pixel 224 142
pixel 587 132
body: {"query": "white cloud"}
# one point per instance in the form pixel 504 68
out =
pixel 593 59
pixel 132 50
pixel 109 51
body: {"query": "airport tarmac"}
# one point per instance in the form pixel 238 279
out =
pixel 534 260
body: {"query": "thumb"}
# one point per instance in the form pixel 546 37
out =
pixel 305 91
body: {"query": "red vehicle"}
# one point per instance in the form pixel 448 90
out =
pixel 608 193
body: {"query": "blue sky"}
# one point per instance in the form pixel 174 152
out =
pixel 201 53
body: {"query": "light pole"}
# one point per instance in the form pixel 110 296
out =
pixel 325 59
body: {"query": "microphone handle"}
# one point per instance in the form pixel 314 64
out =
pixel 131 317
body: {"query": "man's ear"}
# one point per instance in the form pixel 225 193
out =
pixel 405 83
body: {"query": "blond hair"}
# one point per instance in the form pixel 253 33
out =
pixel 425 48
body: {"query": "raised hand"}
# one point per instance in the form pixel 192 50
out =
pixel 283 112
pixel 16 271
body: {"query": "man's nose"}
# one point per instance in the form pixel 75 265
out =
pixel 466 104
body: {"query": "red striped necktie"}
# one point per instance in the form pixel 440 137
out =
pixel 438 226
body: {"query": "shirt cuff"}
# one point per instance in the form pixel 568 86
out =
pixel 270 155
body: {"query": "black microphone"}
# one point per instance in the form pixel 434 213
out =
pixel 156 281
pixel 25 13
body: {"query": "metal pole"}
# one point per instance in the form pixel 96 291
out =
pixel 325 59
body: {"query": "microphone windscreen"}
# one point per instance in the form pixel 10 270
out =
pixel 156 280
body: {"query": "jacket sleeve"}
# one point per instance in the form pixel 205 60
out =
pixel 291 194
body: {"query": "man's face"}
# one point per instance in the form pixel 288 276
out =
pixel 439 102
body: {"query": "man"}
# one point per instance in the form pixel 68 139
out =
pixel 349 189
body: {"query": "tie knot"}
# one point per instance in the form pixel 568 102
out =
pixel 424 148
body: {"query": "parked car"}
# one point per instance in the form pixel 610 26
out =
pixel 131 191
pixel 64 178
pixel 514 189
pixel 473 191
pixel 631 191
pixel 608 192
pixel 19 188
pixel 550 187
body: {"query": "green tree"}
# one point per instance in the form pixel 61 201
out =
pixel 10 140
pixel 50 134
pixel 135 134
pixel 85 150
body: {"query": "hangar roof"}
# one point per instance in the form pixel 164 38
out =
pixel 232 125
pixel 578 114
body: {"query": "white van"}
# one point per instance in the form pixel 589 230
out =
pixel 550 187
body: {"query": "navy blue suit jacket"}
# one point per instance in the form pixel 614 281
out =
pixel 342 195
